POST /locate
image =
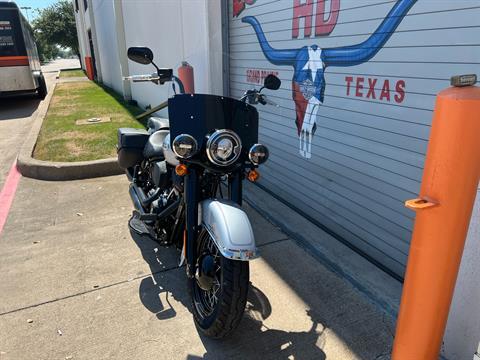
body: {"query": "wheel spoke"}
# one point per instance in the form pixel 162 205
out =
pixel 206 300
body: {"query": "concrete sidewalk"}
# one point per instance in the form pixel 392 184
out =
pixel 69 264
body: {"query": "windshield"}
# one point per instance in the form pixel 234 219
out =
pixel 11 39
pixel 200 115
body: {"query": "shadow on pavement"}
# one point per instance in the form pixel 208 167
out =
pixel 251 340
pixel 18 107
pixel 254 340
pixel 160 259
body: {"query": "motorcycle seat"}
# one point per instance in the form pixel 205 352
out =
pixel 154 148
pixel 157 123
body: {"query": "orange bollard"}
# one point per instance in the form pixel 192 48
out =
pixel 443 211
pixel 185 74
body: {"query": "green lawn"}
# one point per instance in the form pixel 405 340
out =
pixel 61 139
pixel 72 73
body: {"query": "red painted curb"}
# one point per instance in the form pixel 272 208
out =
pixel 8 193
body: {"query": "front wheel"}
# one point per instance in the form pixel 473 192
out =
pixel 218 290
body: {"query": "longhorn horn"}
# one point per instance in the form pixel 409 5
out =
pixel 275 56
pixel 360 53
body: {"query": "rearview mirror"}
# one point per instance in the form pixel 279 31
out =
pixel 141 55
pixel 272 82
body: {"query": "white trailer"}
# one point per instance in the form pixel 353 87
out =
pixel 20 71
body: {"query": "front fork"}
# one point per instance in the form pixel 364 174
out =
pixel 235 187
pixel 191 220
pixel 191 191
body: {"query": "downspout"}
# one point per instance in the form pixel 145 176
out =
pixel 209 52
pixel 82 35
pixel 225 49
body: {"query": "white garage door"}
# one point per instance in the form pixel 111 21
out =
pixel 361 76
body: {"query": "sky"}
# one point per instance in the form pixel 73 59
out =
pixel 34 4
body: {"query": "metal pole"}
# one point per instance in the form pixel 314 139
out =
pixel 443 211
pixel 26 8
pixel 122 48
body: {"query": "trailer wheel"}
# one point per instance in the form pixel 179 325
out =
pixel 42 88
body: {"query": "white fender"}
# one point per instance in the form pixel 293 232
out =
pixel 230 229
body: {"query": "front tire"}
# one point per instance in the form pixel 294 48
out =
pixel 218 311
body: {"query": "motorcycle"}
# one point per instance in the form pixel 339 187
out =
pixel 185 176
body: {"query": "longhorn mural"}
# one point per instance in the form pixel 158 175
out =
pixel 310 63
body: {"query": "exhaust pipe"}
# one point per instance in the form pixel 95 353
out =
pixel 138 198
pixel 135 199
pixel 142 198
pixel 137 194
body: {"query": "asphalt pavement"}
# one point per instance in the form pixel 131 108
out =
pixel 17 114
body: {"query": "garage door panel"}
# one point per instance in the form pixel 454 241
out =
pixel 331 121
pixel 348 219
pixel 348 160
pixel 416 110
pixel 448 34
pixel 419 53
pixel 373 211
pixel 435 75
pixel 389 183
pixel 348 230
pixel 392 263
pixel 321 142
pixel 366 186
pixel 356 206
pixel 384 99
pixel 410 130
pixel 373 125
pixel 386 194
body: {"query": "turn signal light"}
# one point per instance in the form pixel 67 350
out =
pixel 253 175
pixel 181 170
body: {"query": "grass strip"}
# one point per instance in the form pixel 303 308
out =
pixel 72 73
pixel 60 139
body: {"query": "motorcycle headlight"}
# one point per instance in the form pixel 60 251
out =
pixel 184 146
pixel 223 147
pixel 258 154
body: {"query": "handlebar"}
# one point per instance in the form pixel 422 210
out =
pixel 163 75
pixel 270 102
pixel 143 78
pixel 254 97
pixel 157 78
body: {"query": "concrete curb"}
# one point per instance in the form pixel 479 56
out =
pixel 49 170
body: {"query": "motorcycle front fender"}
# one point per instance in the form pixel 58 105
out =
pixel 230 229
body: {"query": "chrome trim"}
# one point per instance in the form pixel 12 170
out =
pixel 250 154
pixel 195 146
pixel 170 156
pixel 237 150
